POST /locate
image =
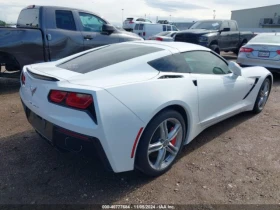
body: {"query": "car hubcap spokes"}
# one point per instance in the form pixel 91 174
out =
pixel 264 94
pixel 165 144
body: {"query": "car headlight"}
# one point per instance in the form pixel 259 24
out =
pixel 203 39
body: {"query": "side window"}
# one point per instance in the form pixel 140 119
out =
pixel 233 26
pixel 168 28
pixel 136 27
pixel 91 22
pixel 140 19
pixel 211 64
pixel 225 25
pixel 172 63
pixel 164 27
pixel 141 26
pixel 65 20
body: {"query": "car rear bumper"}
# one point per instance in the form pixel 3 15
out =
pixel 273 66
pixel 66 139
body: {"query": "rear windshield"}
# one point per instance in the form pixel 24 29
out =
pixel 271 39
pixel 107 56
pixel 130 19
pixel 28 18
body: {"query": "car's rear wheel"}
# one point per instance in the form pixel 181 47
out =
pixel 262 96
pixel 161 143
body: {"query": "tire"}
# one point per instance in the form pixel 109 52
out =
pixel 215 48
pixel 156 152
pixel 263 95
pixel 237 50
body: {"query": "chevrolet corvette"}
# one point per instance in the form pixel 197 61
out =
pixel 137 104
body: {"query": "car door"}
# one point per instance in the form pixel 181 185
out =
pixel 62 35
pixel 91 29
pixel 220 92
pixel 234 35
pixel 224 40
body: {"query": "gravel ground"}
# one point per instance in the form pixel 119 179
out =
pixel 233 162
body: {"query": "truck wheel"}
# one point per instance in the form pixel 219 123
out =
pixel 237 50
pixel 215 48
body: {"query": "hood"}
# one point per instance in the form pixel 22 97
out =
pixel 129 34
pixel 197 31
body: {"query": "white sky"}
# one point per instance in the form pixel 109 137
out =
pixel 180 10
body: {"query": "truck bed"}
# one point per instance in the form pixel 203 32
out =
pixel 20 46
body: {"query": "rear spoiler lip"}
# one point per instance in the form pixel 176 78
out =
pixel 36 74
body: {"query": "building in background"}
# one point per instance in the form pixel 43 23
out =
pixel 261 19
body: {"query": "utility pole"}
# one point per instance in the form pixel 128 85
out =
pixel 122 15
pixel 214 14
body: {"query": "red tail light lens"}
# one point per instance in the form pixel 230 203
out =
pixel 22 78
pixel 245 49
pixel 159 39
pixel 57 96
pixel 278 52
pixel 78 100
pixel 131 21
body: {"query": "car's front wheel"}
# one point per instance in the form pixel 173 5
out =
pixel 161 143
pixel 262 96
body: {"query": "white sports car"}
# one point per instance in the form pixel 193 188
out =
pixel 137 103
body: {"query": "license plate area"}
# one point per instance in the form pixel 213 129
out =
pixel 41 125
pixel 264 54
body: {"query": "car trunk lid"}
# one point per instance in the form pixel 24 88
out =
pixel 263 51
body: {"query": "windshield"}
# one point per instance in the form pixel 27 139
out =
pixel 271 39
pixel 209 25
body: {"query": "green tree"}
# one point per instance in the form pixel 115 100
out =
pixel 2 23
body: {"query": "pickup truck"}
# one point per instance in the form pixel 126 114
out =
pixel 47 33
pixel 218 35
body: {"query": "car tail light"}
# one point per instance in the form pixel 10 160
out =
pixel 71 99
pixel 144 33
pixel 245 49
pixel 78 100
pixel 57 96
pixel 131 21
pixel 278 52
pixel 159 39
pixel 22 78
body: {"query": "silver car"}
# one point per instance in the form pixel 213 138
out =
pixel 262 50
pixel 165 36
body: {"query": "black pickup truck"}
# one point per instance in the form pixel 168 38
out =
pixel 46 33
pixel 218 35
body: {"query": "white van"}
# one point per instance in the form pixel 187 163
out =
pixel 147 30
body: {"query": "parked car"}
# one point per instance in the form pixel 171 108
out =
pixel 147 30
pixel 218 35
pixel 129 23
pixel 262 50
pixel 46 33
pixel 163 21
pixel 166 36
pixel 138 109
pixel 182 25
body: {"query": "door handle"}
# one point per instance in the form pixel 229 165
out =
pixel 49 37
pixel 88 37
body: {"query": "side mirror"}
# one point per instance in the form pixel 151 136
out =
pixel 108 28
pixel 225 29
pixel 235 68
